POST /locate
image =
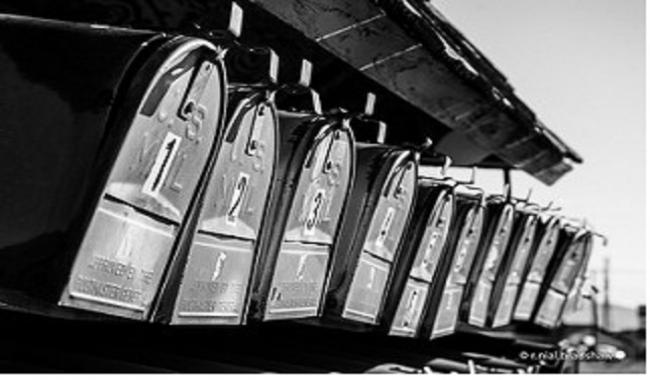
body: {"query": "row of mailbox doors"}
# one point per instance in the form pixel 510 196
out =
pixel 220 203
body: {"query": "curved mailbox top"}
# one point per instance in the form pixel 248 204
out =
pixel 321 189
pixel 243 171
pixel 166 147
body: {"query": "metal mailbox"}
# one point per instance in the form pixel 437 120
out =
pixel 153 180
pixel 562 277
pixel 214 283
pixel 310 187
pixel 445 296
pixel 577 292
pixel 110 140
pixel 420 257
pixel 506 287
pixel 366 250
pixel 543 251
pixel 499 220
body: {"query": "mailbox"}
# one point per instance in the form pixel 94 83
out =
pixel 214 283
pixel 504 294
pixel 543 250
pixel 367 248
pixel 576 294
pixel 127 121
pixel 499 219
pixel 309 191
pixel 574 249
pixel 420 257
pixel 445 296
pixel 151 184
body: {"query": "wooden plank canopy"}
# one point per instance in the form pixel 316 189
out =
pixel 408 47
pixel 430 81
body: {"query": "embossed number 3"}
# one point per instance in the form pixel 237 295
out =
pixel 314 211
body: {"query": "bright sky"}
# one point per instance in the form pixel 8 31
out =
pixel 580 65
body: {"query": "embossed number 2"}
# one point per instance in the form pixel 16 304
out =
pixel 237 198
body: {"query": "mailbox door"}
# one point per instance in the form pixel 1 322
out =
pixel 543 253
pixel 561 284
pixel 313 217
pixel 151 184
pixel 496 248
pixel 214 285
pixel 434 238
pixel 576 292
pixel 408 316
pixel 448 308
pixel 387 216
pixel 505 299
